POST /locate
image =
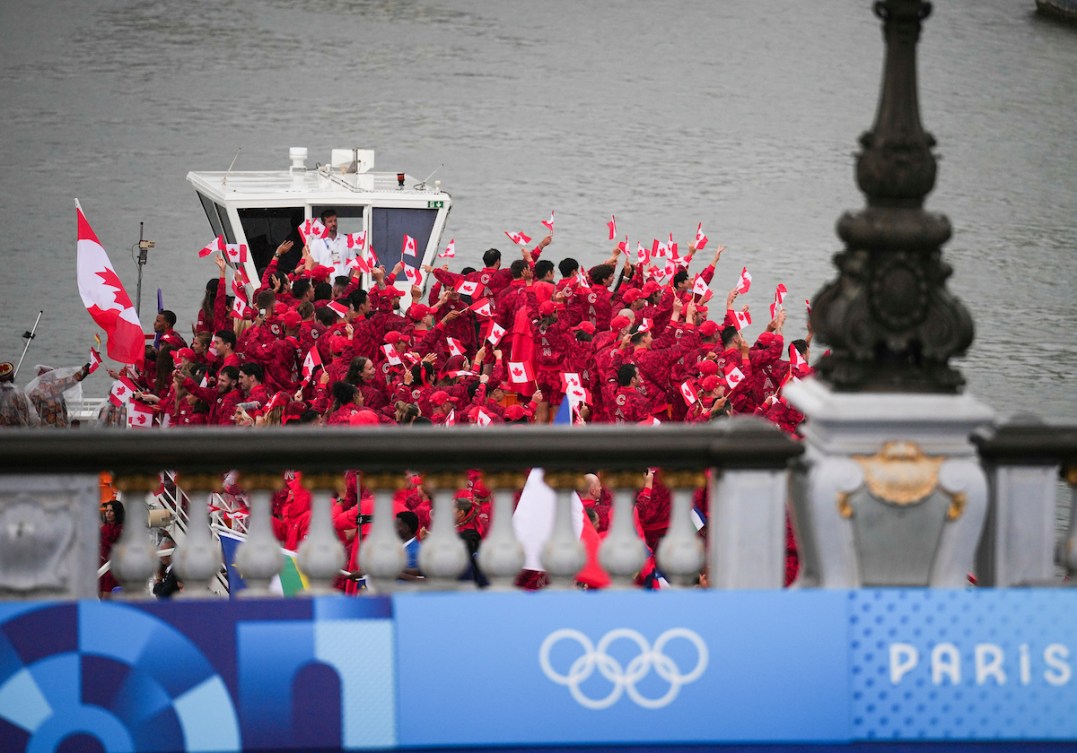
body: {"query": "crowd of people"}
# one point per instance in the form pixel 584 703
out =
pixel 629 340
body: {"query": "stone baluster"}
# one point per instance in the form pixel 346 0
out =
pixel 681 553
pixel 321 556
pixel 563 555
pixel 382 554
pixel 501 555
pixel 1067 548
pixel 747 529
pixel 622 553
pixel 259 558
pixel 443 557
pixel 197 559
pixel 134 558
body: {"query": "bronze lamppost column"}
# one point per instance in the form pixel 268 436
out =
pixel 890 322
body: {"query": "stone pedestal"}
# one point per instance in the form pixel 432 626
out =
pixel 890 491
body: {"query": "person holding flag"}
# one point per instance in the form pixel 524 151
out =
pixel 331 248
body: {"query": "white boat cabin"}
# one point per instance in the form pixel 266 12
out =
pixel 262 209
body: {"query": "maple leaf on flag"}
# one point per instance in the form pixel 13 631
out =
pixel 699 287
pixel 642 256
pixel 213 246
pixel 520 372
pixel 745 283
pixel 104 296
pixel 391 355
pixel 549 223
pixel 414 275
pixel 482 418
pixel 701 238
pixel 496 333
pixel 733 375
pixel 741 319
pixel 622 247
pixel 482 307
pixel 612 225
pixel 356 240
pixel 408 248
pixel 455 347
pixel 520 238
pixel 311 363
pixel 468 287
pixel 688 392
pixel 570 380
pixel 450 251
pixel 360 264
pixel 236 252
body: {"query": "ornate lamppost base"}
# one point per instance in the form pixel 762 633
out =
pixel 890 491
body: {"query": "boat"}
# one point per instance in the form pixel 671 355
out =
pixel 263 208
pixel 1062 10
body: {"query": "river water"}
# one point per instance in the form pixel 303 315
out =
pixel 743 116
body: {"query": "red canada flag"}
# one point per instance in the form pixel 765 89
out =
pixel 450 251
pixel 733 375
pixel 468 287
pixel 139 415
pixel 549 223
pixel 338 308
pixel 391 355
pixel 450 420
pixel 212 247
pixel 796 360
pixel 455 347
pixel 688 392
pixel 520 372
pixel 745 283
pixel 414 275
pixel 612 225
pixel 482 307
pixel 779 299
pixel 741 319
pixel 356 240
pixel 642 256
pixel 123 389
pixel 520 239
pixel 496 333
pixel 408 249
pixel 482 418
pixel 95 360
pixel 699 287
pixel 236 252
pixel 312 228
pixel 359 263
pixel 701 238
pixel 105 298
pixel 240 309
pixel 570 380
pixel 311 363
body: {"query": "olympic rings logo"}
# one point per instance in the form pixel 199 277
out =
pixel 623 678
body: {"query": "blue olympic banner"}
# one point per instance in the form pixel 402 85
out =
pixel 622 667
pixel 879 667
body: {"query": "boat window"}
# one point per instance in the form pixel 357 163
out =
pixel 211 215
pixel 349 219
pixel 226 224
pixel 387 230
pixel 267 228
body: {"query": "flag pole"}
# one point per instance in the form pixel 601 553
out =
pixel 29 337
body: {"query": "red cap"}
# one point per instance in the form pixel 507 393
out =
pixel 632 295
pixel 514 413
pixel 365 417
pixel 546 308
pixel 650 288
pixel 291 319
pixel 585 326
pixel 337 344
pixel 708 328
pixel 184 353
pixel 707 367
pixel 321 272
pixel 394 336
pixel 441 397
pixel 619 322
pixel 418 311
pixel 709 383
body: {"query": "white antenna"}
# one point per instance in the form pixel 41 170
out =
pixel 224 180
pixel 422 183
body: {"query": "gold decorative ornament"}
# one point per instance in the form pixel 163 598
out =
pixel 900 473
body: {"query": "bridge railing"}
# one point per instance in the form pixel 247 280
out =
pixel 49 527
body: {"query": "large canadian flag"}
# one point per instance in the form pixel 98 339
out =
pixel 105 298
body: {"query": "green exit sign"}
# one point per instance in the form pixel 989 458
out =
pixel 435 204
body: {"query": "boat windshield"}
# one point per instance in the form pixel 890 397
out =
pixel 265 229
pixel 388 227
